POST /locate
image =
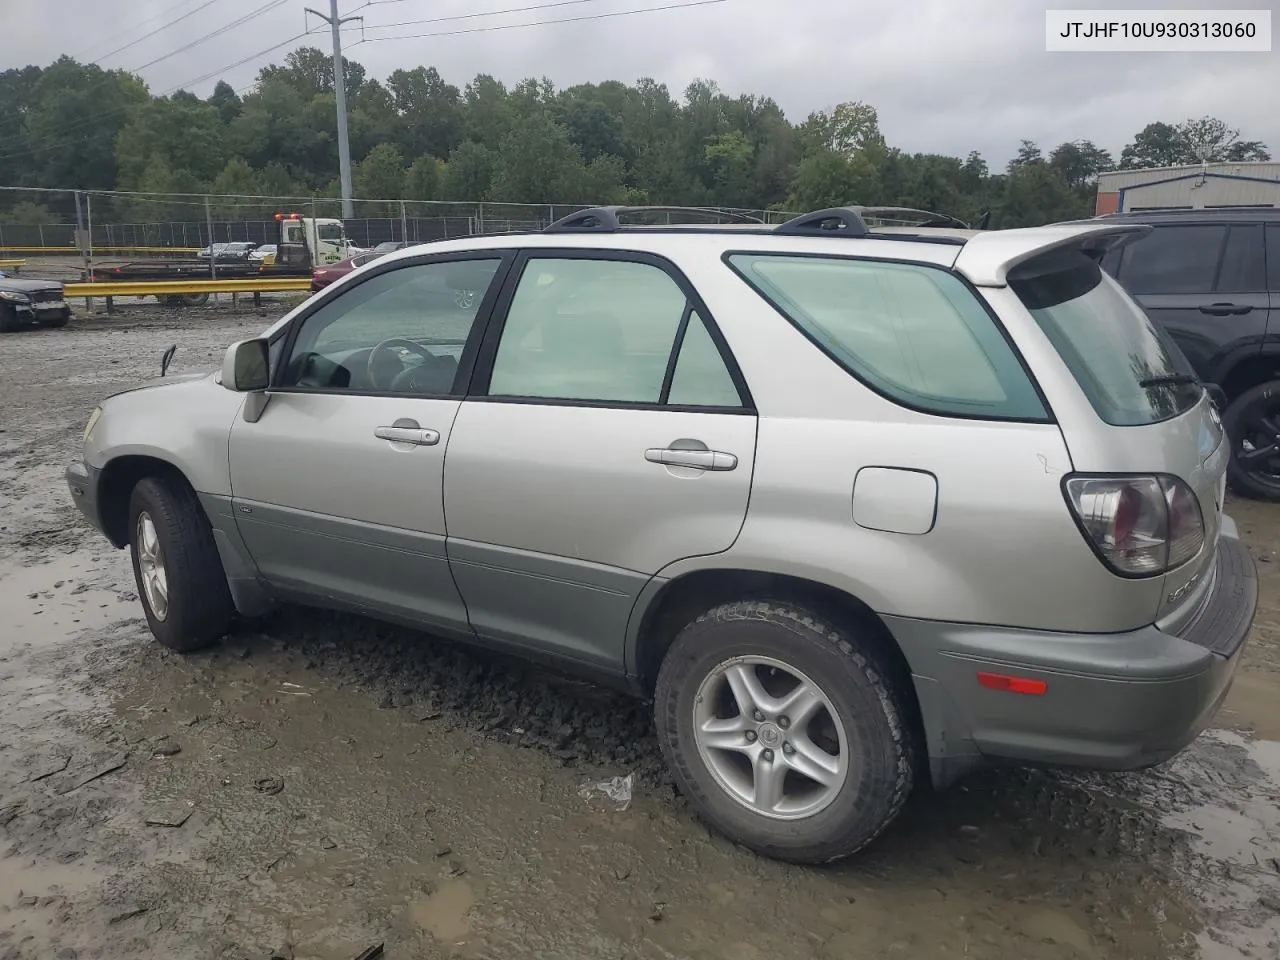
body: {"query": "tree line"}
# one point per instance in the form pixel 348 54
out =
pixel 418 137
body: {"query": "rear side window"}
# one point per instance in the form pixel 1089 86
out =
pixel 1125 365
pixel 915 334
pixel 1273 258
pixel 1173 259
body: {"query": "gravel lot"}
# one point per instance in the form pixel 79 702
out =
pixel 318 784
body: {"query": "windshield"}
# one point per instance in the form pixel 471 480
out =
pixel 1128 368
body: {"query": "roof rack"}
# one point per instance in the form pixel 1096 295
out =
pixel 847 221
pixel 608 219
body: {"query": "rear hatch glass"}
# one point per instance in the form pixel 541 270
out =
pixel 1130 370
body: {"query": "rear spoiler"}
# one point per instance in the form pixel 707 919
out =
pixel 987 257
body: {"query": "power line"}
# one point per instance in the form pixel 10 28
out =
pixel 257 12
pixel 472 16
pixel 113 37
pixel 543 23
pixel 166 26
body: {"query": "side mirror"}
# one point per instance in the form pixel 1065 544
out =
pixel 247 366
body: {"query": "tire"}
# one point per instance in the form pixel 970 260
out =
pixel 184 299
pixel 1246 422
pixel 60 320
pixel 197 608
pixel 863 711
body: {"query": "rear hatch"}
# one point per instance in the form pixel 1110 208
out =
pixel 1150 415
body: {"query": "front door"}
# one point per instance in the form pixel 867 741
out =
pixel 337 488
pixel 608 435
pixel 1205 284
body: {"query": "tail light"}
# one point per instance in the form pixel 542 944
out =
pixel 1139 526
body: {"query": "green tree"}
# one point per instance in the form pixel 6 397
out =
pixel 1079 162
pixel 1036 194
pixel 468 174
pixel 429 111
pixel 380 176
pixel 232 186
pixel 731 157
pixel 1155 145
pixel 26 213
pixel 830 179
pixel 422 179
pixel 187 133
pixel 537 163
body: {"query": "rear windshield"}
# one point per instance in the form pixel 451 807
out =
pixel 1128 368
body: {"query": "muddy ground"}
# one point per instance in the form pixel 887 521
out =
pixel 318 785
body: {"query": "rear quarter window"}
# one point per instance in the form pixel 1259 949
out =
pixel 914 333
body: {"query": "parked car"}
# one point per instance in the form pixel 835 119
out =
pixel 227 251
pixel 265 254
pixel 1211 279
pixel 391 246
pixel 324 275
pixel 27 302
pixel 855 508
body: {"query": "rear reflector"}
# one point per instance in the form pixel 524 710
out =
pixel 1001 681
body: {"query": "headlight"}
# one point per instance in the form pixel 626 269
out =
pixel 13 296
pixel 93 421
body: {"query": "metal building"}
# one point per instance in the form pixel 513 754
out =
pixel 1196 186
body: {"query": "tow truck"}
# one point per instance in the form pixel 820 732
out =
pixel 302 244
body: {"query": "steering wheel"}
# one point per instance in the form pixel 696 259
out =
pixel 385 379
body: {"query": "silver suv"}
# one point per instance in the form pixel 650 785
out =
pixel 855 507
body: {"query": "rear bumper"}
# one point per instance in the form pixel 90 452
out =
pixel 1113 701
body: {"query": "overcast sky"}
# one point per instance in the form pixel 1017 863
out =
pixel 947 76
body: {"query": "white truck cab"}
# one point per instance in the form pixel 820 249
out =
pixel 323 238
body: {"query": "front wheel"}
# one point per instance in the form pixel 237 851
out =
pixel 176 566
pixel 1252 423
pixel 784 730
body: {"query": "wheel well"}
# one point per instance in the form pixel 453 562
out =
pixel 1248 374
pixel 682 600
pixel 115 486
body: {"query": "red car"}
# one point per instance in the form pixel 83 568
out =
pixel 321 277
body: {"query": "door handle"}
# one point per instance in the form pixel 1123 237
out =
pixel 1225 309
pixel 700 459
pixel 418 436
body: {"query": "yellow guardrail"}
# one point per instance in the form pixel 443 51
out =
pixel 12 264
pixel 161 288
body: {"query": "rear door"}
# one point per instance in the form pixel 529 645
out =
pixel 1205 284
pixel 607 435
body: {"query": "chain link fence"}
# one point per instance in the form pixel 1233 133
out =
pixel 97 224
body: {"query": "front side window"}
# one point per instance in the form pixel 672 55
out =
pixel 329 231
pixel 605 331
pixel 913 333
pixel 1125 365
pixel 397 332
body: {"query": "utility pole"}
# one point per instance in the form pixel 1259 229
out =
pixel 340 90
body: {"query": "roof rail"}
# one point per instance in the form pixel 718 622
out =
pixel 909 217
pixel 608 219
pixel 847 221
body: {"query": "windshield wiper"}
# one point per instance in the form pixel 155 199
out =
pixel 1171 380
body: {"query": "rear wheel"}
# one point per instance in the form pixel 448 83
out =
pixel 784 730
pixel 1252 422
pixel 180 578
